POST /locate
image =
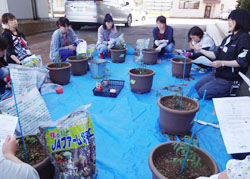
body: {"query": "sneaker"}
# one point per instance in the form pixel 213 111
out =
pixel 197 68
pixel 108 53
pixel 203 70
pixel 101 55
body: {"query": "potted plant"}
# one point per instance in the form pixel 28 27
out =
pixel 177 113
pixel 166 161
pixel 141 78
pixel 79 64
pixel 37 157
pixel 178 67
pixel 118 53
pixel 59 72
pixel 150 56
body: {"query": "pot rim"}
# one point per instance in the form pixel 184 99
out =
pixel 178 111
pixel 141 75
pixel 158 174
pixel 57 68
pixel 77 60
pixel 188 61
pixel 117 50
pixel 149 51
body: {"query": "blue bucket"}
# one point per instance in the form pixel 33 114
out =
pixel 97 68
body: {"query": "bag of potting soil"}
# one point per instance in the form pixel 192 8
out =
pixel 33 61
pixel 70 144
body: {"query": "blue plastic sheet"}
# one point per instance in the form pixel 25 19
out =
pixel 127 127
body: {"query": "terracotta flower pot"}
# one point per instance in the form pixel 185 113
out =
pixel 178 67
pixel 141 83
pixel 167 147
pixel 61 74
pixel 150 56
pixel 176 122
pixel 78 66
pixel 118 55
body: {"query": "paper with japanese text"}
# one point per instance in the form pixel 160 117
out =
pixel 234 118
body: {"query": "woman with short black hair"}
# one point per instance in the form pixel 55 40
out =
pixel 163 37
pixel 231 57
pixel 196 36
pixel 105 33
pixel 63 41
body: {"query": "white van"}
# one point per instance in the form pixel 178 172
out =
pixel 92 12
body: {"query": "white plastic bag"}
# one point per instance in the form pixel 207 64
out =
pixel 81 47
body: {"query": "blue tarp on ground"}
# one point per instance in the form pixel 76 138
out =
pixel 127 127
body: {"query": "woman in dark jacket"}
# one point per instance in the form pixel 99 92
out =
pixel 18 48
pixel 231 57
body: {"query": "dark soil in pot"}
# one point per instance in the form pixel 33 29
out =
pixel 174 120
pixel 141 80
pixel 79 65
pixel 174 103
pixel 150 56
pixel 162 166
pixel 178 67
pixel 59 73
pixel 37 157
pixel 118 55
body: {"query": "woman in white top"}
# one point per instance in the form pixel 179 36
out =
pixel 197 37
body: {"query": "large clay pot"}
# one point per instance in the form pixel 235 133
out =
pixel 167 147
pixel 78 66
pixel 118 55
pixel 150 56
pixel 59 74
pixel 141 83
pixel 178 67
pixel 176 122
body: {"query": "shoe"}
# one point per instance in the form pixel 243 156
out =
pixel 108 53
pixel 203 70
pixel 197 68
pixel 101 55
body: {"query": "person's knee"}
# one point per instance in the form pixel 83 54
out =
pixel 169 48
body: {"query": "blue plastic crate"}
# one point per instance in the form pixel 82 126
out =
pixel 113 84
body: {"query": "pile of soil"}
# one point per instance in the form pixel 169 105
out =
pixel 164 164
pixel 34 151
pixel 173 103
pixel 137 71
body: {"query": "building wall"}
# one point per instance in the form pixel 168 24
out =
pixel 199 13
pixel 177 12
pixel 3 7
pixel 42 8
pixel 22 9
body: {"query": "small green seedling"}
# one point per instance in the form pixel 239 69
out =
pixel 181 149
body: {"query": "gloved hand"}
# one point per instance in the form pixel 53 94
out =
pixel 163 41
pixel 161 46
pixel 157 42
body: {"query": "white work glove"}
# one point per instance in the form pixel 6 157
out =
pixel 157 42
pixel 158 49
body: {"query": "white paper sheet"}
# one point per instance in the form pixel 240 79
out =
pixel 7 127
pixel 234 118
pixel 202 60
